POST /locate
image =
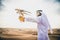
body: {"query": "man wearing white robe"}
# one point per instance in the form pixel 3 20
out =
pixel 42 25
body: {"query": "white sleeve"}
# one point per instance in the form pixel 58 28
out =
pixel 31 19
pixel 49 26
pixel 45 22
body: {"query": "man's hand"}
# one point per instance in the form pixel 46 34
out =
pixel 51 31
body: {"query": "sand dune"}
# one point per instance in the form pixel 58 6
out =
pixel 23 34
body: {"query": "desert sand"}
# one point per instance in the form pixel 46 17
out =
pixel 24 34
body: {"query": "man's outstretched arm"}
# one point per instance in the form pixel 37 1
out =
pixel 31 19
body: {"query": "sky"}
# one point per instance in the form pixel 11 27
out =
pixel 9 17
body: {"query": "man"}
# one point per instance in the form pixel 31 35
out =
pixel 42 24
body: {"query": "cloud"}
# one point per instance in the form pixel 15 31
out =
pixel 10 18
pixel 1 4
pixel 54 1
pixel 58 1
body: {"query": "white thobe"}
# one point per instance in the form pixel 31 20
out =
pixel 42 25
